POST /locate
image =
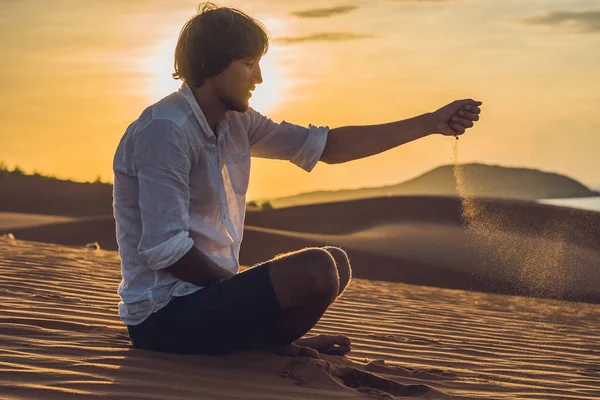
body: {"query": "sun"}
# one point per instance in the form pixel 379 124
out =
pixel 158 68
pixel 268 95
pixel 158 83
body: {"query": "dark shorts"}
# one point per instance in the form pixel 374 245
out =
pixel 234 314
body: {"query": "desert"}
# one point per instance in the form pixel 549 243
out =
pixel 436 309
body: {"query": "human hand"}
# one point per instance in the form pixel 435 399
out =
pixel 454 118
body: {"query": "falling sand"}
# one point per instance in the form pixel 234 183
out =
pixel 537 264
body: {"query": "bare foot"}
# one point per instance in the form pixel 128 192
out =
pixel 294 350
pixel 337 345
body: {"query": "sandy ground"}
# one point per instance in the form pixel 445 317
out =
pixel 422 315
pixel 61 338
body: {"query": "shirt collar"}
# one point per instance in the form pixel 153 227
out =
pixel 222 126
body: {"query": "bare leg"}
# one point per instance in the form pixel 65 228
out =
pixel 343 266
pixel 306 283
pixel 333 344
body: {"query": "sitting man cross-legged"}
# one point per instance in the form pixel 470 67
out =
pixel 181 173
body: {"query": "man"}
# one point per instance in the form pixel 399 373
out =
pixel 181 175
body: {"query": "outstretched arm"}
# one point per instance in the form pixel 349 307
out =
pixel 349 143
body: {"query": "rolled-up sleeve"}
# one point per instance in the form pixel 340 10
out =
pixel 284 141
pixel 162 165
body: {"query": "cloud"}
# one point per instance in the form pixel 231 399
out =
pixel 323 37
pixel 324 12
pixel 584 21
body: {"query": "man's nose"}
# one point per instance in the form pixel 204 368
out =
pixel 258 76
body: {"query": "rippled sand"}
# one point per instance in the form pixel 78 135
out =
pixel 61 338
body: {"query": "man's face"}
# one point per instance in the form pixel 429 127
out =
pixel 234 85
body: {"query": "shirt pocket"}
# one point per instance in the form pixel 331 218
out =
pixel 238 171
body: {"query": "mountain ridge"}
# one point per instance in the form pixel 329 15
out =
pixel 478 180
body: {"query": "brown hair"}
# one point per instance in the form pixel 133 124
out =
pixel 212 39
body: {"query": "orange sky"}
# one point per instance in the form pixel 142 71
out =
pixel 82 71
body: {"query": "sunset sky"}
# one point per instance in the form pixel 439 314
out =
pixel 75 73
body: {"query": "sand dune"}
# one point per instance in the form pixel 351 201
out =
pixel 453 257
pixel 61 338
pixel 504 246
pixel 72 232
pixel 19 220
pixel 580 227
pixel 512 247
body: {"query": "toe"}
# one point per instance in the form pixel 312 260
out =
pixel 303 351
pixel 338 350
pixel 343 340
pixel 339 340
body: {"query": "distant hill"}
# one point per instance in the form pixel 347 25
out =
pixel 35 194
pixel 38 194
pixel 478 180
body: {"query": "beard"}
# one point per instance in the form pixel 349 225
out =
pixel 233 104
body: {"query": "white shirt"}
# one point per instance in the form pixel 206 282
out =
pixel 177 185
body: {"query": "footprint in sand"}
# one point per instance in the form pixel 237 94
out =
pixel 379 366
pixel 303 370
pixel 365 381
